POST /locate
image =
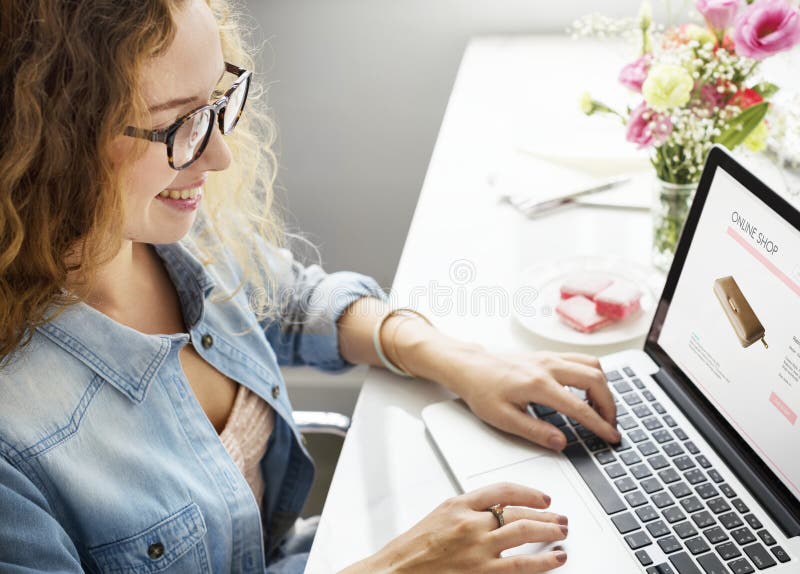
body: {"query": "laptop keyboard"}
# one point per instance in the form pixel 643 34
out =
pixel 674 510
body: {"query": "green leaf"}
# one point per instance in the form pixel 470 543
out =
pixel 766 89
pixel 741 126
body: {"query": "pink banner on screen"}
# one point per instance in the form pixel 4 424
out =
pixel 783 408
pixel 766 262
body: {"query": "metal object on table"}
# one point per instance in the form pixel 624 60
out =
pixel 319 422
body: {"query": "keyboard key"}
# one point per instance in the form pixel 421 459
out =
pixel 673 514
pixel 555 419
pixel 743 535
pixel 718 505
pixel 680 489
pixel 658 462
pixel 696 545
pixel 636 498
pixel 630 457
pixel 637 383
pixel 632 399
pixel 648 395
pixel 690 446
pixel 652 423
pixel 627 423
pixel 692 504
pixel 659 408
pixel 673 449
pixel 715 476
pixel 703 461
pixel 640 471
pixel 728 551
pixel 628 371
pixel 706 491
pixel 741 566
pixel 625 484
pixel 731 520
pixel 664 569
pixel 638 540
pixel 780 554
pixel 703 519
pixel 637 435
pixel 651 485
pixel 759 555
pixel 684 462
pixel 715 535
pixel 669 544
pixel 542 410
pixel 680 434
pixel 605 456
pixel 642 411
pixel 662 436
pixel 647 513
pixel 685 529
pixel 657 528
pixel 583 432
pixel 570 434
pixel 711 564
pixel 625 522
pixel 754 522
pixel 766 537
pixel 615 470
pixel 620 409
pixel 647 448
pixel 623 445
pixel 669 475
pixel 727 490
pixel 695 476
pixel 612 376
pixel 643 557
pixel 594 479
pixel 670 421
pixel 594 443
pixel 662 499
pixel 623 387
pixel 740 506
pixel 683 564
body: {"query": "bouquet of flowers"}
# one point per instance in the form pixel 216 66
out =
pixel 699 86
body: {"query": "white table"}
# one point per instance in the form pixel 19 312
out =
pixel 461 238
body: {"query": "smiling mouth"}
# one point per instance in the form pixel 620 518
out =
pixel 180 193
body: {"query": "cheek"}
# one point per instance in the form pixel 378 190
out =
pixel 148 174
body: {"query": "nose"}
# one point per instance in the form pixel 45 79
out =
pixel 217 155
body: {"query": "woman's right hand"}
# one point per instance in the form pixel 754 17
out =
pixel 461 535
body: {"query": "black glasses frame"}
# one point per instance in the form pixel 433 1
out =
pixel 218 108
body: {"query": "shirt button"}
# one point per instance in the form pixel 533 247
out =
pixel 156 550
pixel 276 392
pixel 207 340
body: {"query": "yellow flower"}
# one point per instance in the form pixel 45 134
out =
pixel 700 33
pixel 667 86
pixel 756 140
pixel 586 103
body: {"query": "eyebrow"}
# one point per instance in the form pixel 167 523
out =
pixel 177 102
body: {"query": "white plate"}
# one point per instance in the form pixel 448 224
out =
pixel 541 285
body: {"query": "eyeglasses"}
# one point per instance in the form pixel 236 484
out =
pixel 187 138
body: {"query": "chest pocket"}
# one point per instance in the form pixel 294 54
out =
pixel 174 545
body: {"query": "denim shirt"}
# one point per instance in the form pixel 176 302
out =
pixel 108 462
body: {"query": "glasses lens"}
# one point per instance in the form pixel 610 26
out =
pixel 190 137
pixel 235 104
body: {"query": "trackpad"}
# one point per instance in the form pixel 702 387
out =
pixel 589 542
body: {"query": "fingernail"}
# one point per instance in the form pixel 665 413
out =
pixel 564 531
pixel 555 442
pixel 562 519
pixel 561 557
pixel 546 500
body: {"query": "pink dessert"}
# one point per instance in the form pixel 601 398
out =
pixel 579 313
pixel 586 284
pixel 618 300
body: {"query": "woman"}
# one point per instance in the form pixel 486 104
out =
pixel 146 305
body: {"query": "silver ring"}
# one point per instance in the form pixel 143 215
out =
pixel 497 510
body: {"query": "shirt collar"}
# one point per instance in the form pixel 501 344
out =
pixel 125 357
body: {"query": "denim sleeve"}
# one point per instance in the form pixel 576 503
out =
pixel 310 303
pixel 31 541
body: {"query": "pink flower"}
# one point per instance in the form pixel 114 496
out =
pixel 646 127
pixel 711 97
pixel 633 75
pixel 719 14
pixel 765 28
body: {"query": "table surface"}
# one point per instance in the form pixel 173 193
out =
pixel 463 241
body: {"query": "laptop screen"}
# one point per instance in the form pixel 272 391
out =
pixel 733 324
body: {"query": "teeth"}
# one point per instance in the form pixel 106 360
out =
pixel 180 194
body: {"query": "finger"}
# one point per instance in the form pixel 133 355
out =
pixel 533 563
pixel 583 358
pixel 592 380
pixel 514 513
pixel 531 428
pixel 525 531
pixel 554 395
pixel 506 494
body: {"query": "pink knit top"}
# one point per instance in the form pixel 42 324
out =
pixel 245 436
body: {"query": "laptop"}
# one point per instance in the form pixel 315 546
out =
pixel 707 477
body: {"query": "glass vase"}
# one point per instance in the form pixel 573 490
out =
pixel 670 207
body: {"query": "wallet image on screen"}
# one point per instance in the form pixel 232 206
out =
pixel 741 316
